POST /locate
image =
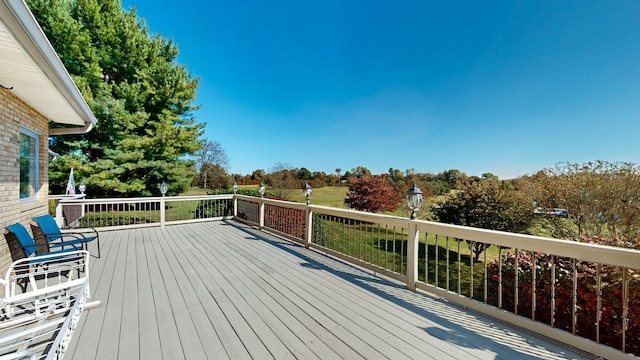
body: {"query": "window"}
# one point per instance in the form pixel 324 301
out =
pixel 28 165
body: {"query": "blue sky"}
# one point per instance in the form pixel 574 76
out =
pixel 507 87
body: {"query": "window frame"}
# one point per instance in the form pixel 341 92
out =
pixel 36 166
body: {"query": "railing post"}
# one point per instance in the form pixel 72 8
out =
pixel 235 207
pixel 308 227
pixel 59 216
pixel 412 255
pixel 162 212
pixel 261 218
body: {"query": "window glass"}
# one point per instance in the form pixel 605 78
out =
pixel 28 165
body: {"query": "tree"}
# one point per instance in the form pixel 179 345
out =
pixel 142 98
pixel 485 203
pixel 600 198
pixel 211 155
pixel 218 177
pixel 395 175
pixel 282 179
pixel 257 176
pixel 360 171
pixel 372 193
pixel 304 174
pixel 453 177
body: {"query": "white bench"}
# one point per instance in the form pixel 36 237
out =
pixel 42 303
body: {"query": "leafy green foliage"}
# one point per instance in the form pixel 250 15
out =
pixel 142 98
pixel 487 204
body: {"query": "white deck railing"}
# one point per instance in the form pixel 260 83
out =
pixel 585 295
pixel 118 213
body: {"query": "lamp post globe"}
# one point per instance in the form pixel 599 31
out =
pixel 306 191
pixel 235 187
pixel 262 189
pixel 414 200
pixel 82 187
pixel 164 188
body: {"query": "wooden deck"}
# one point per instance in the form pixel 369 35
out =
pixel 219 290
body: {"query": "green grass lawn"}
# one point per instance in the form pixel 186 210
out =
pixel 326 196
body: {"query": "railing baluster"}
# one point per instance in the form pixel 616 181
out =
pixel 598 301
pixel 625 307
pixel 386 246
pixel 426 258
pixel 471 257
pixel 553 291
pixel 515 292
pixel 485 278
pixel 437 262
pixel 379 252
pixel 394 249
pixel 499 277
pixel 402 246
pixel 533 285
pixel 574 307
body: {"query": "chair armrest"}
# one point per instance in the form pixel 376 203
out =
pixel 63 244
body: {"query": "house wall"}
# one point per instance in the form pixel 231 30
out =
pixel 14 113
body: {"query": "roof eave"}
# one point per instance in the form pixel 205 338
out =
pixel 24 27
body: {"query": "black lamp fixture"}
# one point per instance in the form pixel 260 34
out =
pixel 163 188
pixel 414 200
pixel 306 191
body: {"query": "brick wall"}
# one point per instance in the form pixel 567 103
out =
pixel 14 113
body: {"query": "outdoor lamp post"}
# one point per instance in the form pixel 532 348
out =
pixel 82 187
pixel 235 187
pixel 306 191
pixel 163 188
pixel 414 200
pixel 262 189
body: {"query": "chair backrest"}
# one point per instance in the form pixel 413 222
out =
pixel 24 239
pixel 48 226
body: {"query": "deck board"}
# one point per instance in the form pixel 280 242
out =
pixel 224 290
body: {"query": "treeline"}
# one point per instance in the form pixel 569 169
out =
pixel 432 184
pixel 569 201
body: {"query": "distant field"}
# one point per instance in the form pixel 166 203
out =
pixel 326 196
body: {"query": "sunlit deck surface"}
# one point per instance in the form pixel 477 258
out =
pixel 219 290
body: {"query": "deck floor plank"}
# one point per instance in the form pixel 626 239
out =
pixel 130 326
pixel 224 290
pixel 169 340
pixel 149 336
pixel 114 305
pixel 88 334
pixel 193 291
